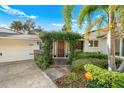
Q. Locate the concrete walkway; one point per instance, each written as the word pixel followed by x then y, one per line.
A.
pixel 23 74
pixel 56 72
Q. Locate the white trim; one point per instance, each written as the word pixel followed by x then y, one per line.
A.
pixel 121 46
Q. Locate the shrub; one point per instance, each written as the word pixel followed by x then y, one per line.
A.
pixel 95 58
pixel 98 55
pixel 103 77
pixel 119 83
pixel 42 63
pixel 118 61
pixel 78 65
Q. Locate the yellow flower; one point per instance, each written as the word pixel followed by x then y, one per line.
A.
pixel 88 76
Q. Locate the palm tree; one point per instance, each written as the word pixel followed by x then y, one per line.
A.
pixel 110 12
pixel 38 29
pixel 29 25
pixel 17 26
pixel 67 12
pixel 64 28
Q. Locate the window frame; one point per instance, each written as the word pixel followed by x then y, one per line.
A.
pixel 90 43
pixel 93 43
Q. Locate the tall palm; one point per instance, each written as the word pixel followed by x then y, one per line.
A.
pixel 87 12
pixel 67 13
pixel 17 26
pixel 29 25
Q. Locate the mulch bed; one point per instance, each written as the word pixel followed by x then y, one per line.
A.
pixel 60 82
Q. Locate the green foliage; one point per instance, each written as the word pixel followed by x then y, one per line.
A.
pixel 95 58
pixel 67 13
pixel 91 84
pixel 103 77
pixel 42 62
pixel 47 39
pixel 119 83
pixel 72 51
pixel 78 65
pixel 16 25
pixel 118 61
pixel 46 56
pixel 59 35
pixel 90 55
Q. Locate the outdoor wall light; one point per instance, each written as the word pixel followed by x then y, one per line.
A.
pixel 66 55
pixel 54 55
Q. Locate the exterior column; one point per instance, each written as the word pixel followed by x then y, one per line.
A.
pixel 66 48
pixel 121 47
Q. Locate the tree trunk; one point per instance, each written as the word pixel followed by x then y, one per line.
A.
pixel 111 40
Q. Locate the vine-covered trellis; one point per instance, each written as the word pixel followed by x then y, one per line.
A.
pixel 46 42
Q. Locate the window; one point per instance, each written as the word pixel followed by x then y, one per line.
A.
pixel 96 43
pixel 93 43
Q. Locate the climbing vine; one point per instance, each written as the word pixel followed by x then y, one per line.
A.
pixel 48 37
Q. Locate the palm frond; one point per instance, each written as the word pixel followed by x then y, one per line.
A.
pixel 67 13
pixel 87 11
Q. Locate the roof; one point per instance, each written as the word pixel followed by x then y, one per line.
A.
pixel 9 34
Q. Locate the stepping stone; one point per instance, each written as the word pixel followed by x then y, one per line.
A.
pixel 53 73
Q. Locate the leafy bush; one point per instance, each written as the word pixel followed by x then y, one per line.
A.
pixel 90 55
pixel 78 65
pixel 103 77
pixel 119 83
pixel 95 58
pixel 42 63
pixel 118 61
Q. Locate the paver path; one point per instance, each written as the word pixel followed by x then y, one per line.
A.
pixel 57 72
pixel 23 74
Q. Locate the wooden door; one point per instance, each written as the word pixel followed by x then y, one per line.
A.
pixel 60 48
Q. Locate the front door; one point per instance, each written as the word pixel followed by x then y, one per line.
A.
pixel 60 48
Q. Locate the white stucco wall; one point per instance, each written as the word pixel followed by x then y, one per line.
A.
pixel 91 36
pixel 90 49
pixel 16 50
pixel 102 43
pixel 103 46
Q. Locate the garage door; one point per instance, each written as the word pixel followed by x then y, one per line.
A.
pixel 16 50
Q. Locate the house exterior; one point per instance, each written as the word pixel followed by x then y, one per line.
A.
pixel 97 42
pixel 89 44
pixel 16 47
pixel 94 42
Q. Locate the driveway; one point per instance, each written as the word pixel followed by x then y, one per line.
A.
pixel 24 74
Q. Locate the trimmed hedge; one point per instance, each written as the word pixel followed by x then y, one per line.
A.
pixel 98 55
pixel 104 78
pixel 78 65
pixel 95 58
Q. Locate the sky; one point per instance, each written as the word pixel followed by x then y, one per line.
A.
pixel 48 17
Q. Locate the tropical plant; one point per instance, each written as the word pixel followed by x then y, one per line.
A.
pixel 29 25
pixel 105 78
pixel 67 13
pixel 64 28
pixel 17 26
pixel 38 29
pixel 109 13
